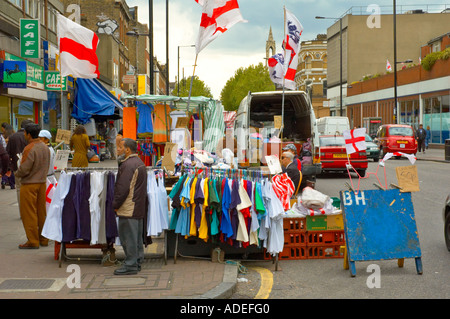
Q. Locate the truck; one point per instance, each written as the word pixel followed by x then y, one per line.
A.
pixel 262 129
pixel 332 125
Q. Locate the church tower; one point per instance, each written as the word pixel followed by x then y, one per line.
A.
pixel 270 46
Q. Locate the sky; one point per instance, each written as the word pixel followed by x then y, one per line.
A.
pixel 245 43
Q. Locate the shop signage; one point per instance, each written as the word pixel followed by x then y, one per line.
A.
pixel 35 72
pixel 14 74
pixel 29 38
pixel 53 81
pixel 129 79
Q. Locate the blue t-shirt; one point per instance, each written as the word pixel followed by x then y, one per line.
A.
pixel 145 122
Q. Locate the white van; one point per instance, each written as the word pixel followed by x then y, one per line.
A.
pixel 256 130
pixel 332 125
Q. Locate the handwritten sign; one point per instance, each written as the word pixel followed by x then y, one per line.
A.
pixel 61 159
pixel 277 121
pixel 182 122
pixel 63 136
pixel 274 164
pixel 408 179
pixel 170 154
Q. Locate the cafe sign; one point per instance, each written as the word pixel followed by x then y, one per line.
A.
pixel 53 81
pixel 29 39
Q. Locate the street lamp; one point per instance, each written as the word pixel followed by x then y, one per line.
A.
pixel 178 74
pixel 340 40
pixel 136 34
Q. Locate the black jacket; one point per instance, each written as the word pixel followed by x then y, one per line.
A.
pixel 293 173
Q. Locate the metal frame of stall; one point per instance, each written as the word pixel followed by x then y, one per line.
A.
pixel 63 256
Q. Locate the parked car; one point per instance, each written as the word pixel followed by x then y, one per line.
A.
pixel 396 138
pixel 333 155
pixel 446 215
pixel 373 151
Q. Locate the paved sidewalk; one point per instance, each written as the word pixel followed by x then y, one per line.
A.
pixel 31 274
pixel 433 154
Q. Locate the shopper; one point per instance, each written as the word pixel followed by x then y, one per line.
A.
pixel 112 134
pixel 33 174
pixel 291 148
pixel 421 136
pixel 46 137
pixel 8 178
pixel 16 144
pixel 130 198
pixel 79 143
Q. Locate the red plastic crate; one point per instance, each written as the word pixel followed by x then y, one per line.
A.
pixel 294 224
pixel 292 252
pixel 324 252
pixel 326 237
pixel 294 238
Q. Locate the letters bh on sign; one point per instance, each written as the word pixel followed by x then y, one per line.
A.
pixel 29 38
pixel 53 81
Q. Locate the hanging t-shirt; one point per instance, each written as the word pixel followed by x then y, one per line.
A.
pixel 145 122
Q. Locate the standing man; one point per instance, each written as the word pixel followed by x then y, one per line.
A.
pixel 421 136
pixel 287 160
pixel 33 171
pixel 112 134
pixel 130 198
pixel 16 145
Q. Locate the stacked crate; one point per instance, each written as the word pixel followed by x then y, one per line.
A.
pixel 313 237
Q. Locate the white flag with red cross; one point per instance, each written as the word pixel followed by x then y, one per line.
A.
pixel 388 66
pixel 355 140
pixel 217 17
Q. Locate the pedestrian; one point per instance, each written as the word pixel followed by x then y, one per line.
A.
pixel 4 162
pixel 130 205
pixel 32 171
pixel 8 178
pixel 428 139
pixel 16 144
pixel 119 138
pixel 112 134
pixel 46 137
pixel 79 143
pixel 421 136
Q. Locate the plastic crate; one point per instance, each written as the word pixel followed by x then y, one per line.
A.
pixel 294 238
pixel 292 252
pixel 335 222
pixel 324 252
pixel 316 222
pixel 325 237
pixel 294 224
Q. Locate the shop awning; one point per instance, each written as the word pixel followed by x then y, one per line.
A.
pixel 93 100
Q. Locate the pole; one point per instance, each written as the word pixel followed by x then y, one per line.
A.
pixel 192 80
pixel 395 64
pixel 340 34
pixel 284 76
pixel 150 36
pixel 178 73
pixel 167 47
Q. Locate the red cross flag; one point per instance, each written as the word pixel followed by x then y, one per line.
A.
pixel 355 140
pixel 217 17
pixel 388 66
pixel 77 46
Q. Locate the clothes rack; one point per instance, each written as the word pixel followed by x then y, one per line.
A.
pixel 60 252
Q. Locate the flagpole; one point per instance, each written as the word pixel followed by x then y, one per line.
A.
pixel 284 77
pixel 192 80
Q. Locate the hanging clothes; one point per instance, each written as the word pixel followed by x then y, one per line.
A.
pixel 145 121
pixel 96 183
pixel 284 188
pixel 160 124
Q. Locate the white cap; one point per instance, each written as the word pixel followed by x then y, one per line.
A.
pixel 46 134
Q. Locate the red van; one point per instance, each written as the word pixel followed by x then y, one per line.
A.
pixel 396 138
pixel 333 155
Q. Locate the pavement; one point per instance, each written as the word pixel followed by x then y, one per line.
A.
pixel 38 274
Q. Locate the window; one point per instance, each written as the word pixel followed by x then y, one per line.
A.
pixel 51 18
pixel 308 62
pixel 16 2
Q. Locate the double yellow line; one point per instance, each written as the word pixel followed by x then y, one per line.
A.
pixel 266 282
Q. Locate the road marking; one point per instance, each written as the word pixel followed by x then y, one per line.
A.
pixel 266 283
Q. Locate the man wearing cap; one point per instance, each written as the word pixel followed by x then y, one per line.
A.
pixel 45 136
pixel 291 148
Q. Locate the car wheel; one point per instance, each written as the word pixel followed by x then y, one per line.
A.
pixel 362 173
pixel 447 231
pixel 376 159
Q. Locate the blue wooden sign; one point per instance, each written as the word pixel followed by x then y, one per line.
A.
pixel 380 224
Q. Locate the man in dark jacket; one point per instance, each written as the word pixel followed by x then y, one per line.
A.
pixel 130 198
pixel 287 160
pixel 16 145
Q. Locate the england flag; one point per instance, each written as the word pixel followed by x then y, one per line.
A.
pixel 355 140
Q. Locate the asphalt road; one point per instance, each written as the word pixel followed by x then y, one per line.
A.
pixel 320 278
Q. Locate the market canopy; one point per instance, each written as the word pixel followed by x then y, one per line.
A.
pixel 93 100
pixel 213 114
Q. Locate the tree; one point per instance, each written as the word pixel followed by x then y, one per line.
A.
pixel 199 88
pixel 253 78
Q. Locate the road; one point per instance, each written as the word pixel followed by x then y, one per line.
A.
pixel 320 278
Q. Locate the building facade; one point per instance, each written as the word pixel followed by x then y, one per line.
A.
pixel 311 75
pixel 367 43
